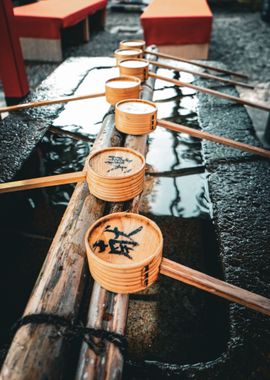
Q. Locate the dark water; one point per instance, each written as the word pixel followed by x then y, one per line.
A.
pixel 175 196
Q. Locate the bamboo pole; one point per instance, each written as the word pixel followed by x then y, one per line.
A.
pixel 208 91
pixel 40 103
pixel 199 64
pixel 218 139
pixel 60 285
pixel 109 365
pixel 202 75
pixel 102 303
pixel 36 183
pixel 214 286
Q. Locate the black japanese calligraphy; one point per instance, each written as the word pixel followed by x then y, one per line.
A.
pixel 117 245
pixel 118 162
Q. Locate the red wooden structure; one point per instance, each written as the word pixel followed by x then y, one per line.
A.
pixel 12 70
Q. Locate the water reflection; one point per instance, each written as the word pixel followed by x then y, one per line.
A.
pixel 87 114
pixel 60 153
pixel 169 151
pixel 181 196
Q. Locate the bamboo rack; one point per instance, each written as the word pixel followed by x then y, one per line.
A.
pixel 42 103
pixel 51 293
pixel 194 63
pixel 66 178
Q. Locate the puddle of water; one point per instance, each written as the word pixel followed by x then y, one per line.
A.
pixel 173 323
pixel 183 197
pixel 169 152
pixel 62 154
pixel 176 198
pixel 87 115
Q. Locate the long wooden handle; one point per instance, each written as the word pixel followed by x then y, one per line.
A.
pixel 35 183
pixel 215 138
pixel 214 286
pixel 40 103
pixel 199 64
pixel 261 106
pixel 202 75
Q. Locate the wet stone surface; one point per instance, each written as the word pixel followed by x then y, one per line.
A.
pixel 172 322
pixel 21 131
pixel 174 330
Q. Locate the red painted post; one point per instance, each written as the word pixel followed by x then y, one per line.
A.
pixel 12 70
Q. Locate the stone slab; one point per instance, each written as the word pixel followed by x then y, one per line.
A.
pixel 22 130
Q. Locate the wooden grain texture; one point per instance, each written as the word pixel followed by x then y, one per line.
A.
pixel 19 107
pixel 116 174
pixel 217 139
pixel 121 54
pixel 35 352
pixel 202 75
pixel 35 183
pixel 134 269
pixel 261 106
pixel 109 310
pixel 132 44
pixel 40 351
pixel 135 116
pixel 194 63
pixel 123 87
pixel 214 286
pixel 136 67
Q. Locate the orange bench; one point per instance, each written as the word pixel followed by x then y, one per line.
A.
pixel 178 27
pixel 40 25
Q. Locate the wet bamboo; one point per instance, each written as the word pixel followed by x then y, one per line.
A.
pixel 49 102
pixel 214 286
pixel 103 303
pixel 60 285
pixel 261 106
pixel 110 364
pixel 36 183
pixel 217 139
pixel 195 63
pixel 202 75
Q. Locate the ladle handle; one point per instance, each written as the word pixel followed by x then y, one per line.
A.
pixel 35 183
pixel 261 106
pixel 215 138
pixel 19 107
pixel 214 286
pixel 194 63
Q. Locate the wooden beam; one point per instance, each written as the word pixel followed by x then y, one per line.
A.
pixel 60 285
pixel 261 106
pixel 109 365
pixel 214 286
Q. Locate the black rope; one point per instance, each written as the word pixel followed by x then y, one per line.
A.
pixel 74 331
